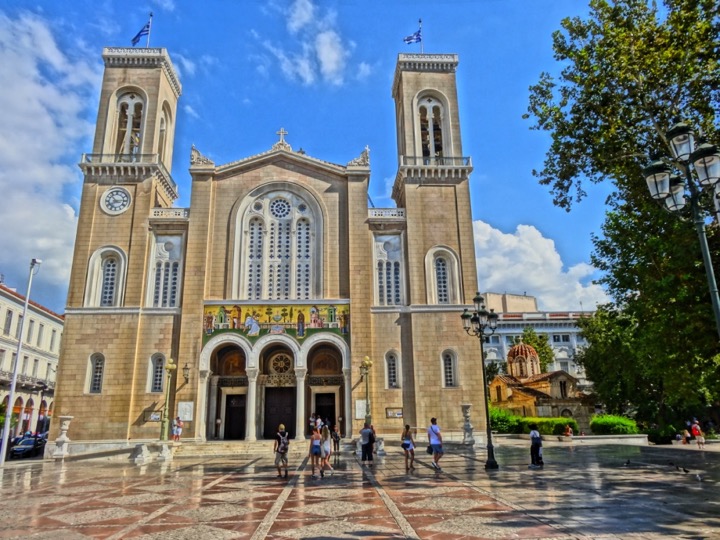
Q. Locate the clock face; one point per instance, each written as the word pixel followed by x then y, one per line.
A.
pixel 116 200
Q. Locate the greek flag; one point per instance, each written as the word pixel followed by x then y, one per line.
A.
pixel 144 31
pixel 414 38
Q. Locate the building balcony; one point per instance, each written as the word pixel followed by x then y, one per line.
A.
pixel 26 382
pixel 110 168
pixel 438 161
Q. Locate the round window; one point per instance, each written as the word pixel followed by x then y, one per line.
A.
pixel 280 208
pixel 280 363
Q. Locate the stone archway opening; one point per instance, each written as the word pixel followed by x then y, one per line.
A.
pixel 278 390
pixel 227 402
pixel 325 383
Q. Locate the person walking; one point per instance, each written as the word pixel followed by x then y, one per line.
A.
pixel 366 445
pixel 536 461
pixel 335 434
pixel 408 444
pixel 314 452
pixel 435 440
pixel 282 443
pixel 326 451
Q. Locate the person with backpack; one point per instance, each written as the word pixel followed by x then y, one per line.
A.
pixel 282 443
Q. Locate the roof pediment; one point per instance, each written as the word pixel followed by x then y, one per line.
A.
pixel 282 154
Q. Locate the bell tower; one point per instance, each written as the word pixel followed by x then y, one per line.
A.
pixel 432 182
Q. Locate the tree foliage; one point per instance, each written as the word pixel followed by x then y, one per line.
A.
pixel 541 344
pixel 628 70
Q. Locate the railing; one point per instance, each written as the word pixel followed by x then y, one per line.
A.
pixel 386 212
pixel 27 379
pixel 170 213
pixel 438 161
pixel 127 160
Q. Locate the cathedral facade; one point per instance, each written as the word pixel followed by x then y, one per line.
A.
pixel 272 289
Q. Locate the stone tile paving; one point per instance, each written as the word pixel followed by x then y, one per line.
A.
pixel 585 492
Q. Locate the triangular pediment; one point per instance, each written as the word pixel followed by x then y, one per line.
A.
pixel 280 157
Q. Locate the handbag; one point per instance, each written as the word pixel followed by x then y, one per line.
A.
pixel 405 445
pixel 429 449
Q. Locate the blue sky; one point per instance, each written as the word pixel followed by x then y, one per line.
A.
pixel 322 70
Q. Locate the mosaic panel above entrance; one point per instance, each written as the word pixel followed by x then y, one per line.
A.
pixel 298 321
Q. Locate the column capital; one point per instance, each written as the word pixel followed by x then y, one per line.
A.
pixel 300 373
pixel 252 374
pixel 204 374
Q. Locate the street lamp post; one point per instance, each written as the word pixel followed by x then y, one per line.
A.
pixel 169 368
pixel 476 324
pixel 670 189
pixel 365 366
pixel 34 268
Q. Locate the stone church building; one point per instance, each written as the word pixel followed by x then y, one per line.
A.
pixel 272 288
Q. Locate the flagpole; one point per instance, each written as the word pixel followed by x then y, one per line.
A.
pixel 147 46
pixel 422 49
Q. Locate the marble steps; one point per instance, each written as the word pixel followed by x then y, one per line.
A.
pixel 229 448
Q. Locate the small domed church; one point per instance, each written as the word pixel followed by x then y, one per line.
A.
pixel 526 391
pixel 258 303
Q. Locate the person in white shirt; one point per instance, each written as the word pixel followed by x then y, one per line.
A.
pixel 435 439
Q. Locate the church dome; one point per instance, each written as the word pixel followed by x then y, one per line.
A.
pixel 522 349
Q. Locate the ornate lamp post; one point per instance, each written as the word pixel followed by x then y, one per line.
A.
pixel 34 269
pixel 365 366
pixel 670 189
pixel 476 324
pixel 169 368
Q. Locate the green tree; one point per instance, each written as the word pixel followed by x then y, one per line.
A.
pixel 629 69
pixel 493 369
pixel 541 344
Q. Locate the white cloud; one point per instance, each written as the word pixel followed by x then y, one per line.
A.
pixel 527 262
pixel 301 14
pixel 184 65
pixel 315 50
pixel 167 5
pixel 46 97
pixel 190 111
pixel 331 55
pixel 363 71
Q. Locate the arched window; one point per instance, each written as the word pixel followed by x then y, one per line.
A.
pixel 442 269
pixel 162 133
pixel 389 280
pixel 392 370
pixel 167 271
pixel 106 278
pixel 449 367
pixel 278 242
pixel 431 119
pixel 157 363
pixel 97 371
pixel 128 135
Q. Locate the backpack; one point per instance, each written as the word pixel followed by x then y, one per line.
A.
pixel 283 445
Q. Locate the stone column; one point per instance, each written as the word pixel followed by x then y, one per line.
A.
pixel 250 429
pixel 300 419
pixel 204 424
pixel 212 405
pixel 349 413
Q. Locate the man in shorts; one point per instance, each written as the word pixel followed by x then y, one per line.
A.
pixel 435 440
pixel 282 443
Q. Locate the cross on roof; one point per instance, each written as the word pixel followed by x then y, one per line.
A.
pixel 282 134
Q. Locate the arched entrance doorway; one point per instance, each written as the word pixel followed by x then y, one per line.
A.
pixel 278 390
pixel 326 383
pixel 228 397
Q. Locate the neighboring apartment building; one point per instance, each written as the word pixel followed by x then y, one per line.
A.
pixel 37 367
pixel 518 312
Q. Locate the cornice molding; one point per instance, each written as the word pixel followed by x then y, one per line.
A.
pixel 130 57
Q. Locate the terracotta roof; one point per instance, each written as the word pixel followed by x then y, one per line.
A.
pixel 550 375
pixel 532 392
pixel 508 379
pixel 21 298
pixel 522 349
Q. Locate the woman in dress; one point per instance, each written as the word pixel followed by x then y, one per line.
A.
pixel 314 453
pixel 408 444
pixel 326 451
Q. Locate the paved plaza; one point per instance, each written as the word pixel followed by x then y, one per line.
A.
pixel 584 491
